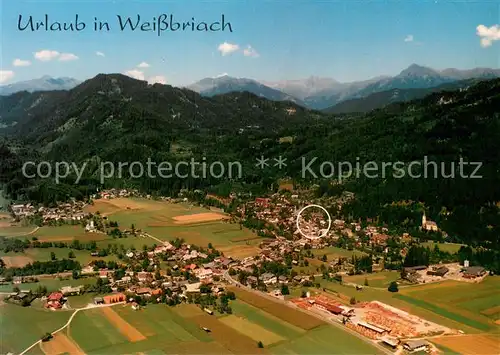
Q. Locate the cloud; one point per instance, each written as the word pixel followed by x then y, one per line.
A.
pixel 100 54
pixel 64 57
pixel 46 54
pixel 227 48
pixel 250 52
pixel 488 34
pixel 221 75
pixel 21 63
pixel 409 38
pixel 6 75
pixel 158 79
pixel 136 74
pixel 143 65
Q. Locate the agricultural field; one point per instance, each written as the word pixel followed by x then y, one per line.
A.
pixel 167 221
pixel 403 301
pixel 447 247
pixel 377 279
pixel 470 343
pixel 334 252
pixel 473 304
pixel 31 322
pixel 159 329
pixel 16 231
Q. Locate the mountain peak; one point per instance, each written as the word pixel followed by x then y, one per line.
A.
pixel 418 70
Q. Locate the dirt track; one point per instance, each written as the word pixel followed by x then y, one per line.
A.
pixel 61 344
pixel 124 327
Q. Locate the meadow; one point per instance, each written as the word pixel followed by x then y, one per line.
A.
pixel 22 326
pixel 167 221
pixel 378 279
pixel 178 329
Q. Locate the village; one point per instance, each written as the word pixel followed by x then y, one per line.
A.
pixel 190 272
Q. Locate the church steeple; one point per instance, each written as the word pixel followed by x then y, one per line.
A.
pixel 424 220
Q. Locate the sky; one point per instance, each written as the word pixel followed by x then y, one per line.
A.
pixel 270 40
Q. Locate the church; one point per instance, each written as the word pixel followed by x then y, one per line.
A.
pixel 428 225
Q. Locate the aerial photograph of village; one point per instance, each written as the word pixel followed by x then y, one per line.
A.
pixel 250 177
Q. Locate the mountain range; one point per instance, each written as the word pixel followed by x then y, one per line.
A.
pixel 314 92
pixel 115 118
pixel 45 83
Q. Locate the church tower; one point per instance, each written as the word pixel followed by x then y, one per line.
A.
pixel 424 220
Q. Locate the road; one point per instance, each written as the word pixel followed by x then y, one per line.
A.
pixel 320 317
pixel 69 321
pixel 158 240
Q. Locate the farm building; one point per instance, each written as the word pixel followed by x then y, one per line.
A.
pixel 391 341
pixel 372 327
pixel 440 271
pixel 114 298
pixel 209 311
pixel 473 272
pixel 98 300
pixel 415 268
pixel 415 345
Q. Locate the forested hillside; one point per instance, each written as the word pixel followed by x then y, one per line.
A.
pixel 116 118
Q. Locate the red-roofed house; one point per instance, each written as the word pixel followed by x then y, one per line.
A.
pixel 54 300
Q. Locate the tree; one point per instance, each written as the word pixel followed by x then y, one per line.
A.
pixel 366 281
pixel 71 254
pixel 75 274
pixel 285 290
pixel 260 345
pixel 352 300
pixel 210 246
pixel 52 255
pixel 324 258
pixel 393 287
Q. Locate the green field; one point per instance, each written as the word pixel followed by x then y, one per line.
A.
pixel 474 304
pixel 93 332
pixel 377 279
pixel 452 303
pixel 334 252
pixel 448 247
pixel 22 326
pixel 18 231
pixel 52 284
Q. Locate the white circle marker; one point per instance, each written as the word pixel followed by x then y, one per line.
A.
pixel 325 231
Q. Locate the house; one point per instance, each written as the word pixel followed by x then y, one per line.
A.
pixel 263 202
pixel 193 288
pixel 54 300
pixel 144 276
pixel 472 272
pixel 415 345
pixel 283 279
pixel 68 290
pixel 252 280
pixel 98 300
pixel 135 306
pixel 143 291
pixel 268 278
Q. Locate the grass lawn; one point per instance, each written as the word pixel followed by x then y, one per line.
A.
pixel 22 326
